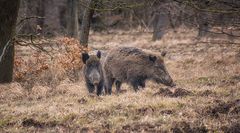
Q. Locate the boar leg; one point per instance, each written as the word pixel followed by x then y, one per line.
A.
pixel 118 85
pixel 100 88
pixel 142 84
pixel 109 83
pixel 105 89
pixel 134 85
pixel 90 87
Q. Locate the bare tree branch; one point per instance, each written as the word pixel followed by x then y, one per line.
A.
pixel 114 7
pixel 27 18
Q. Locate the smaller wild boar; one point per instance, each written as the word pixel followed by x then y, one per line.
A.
pixel 134 66
pixel 93 73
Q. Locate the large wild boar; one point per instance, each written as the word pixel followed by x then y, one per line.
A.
pixel 93 73
pixel 134 66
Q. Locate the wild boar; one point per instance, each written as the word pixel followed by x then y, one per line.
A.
pixel 93 73
pixel 134 66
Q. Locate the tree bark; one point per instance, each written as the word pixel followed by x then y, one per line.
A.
pixel 72 26
pixel 160 24
pixel 86 21
pixel 203 24
pixel 8 17
pixel 41 13
pixel 203 29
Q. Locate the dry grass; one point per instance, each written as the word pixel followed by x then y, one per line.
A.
pixel 209 74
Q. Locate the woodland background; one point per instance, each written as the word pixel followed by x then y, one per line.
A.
pixel 41 42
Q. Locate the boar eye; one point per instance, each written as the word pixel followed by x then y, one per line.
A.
pixel 163 54
pixel 152 58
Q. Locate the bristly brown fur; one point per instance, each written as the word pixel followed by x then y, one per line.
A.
pixel 134 66
pixel 92 59
pixel 93 70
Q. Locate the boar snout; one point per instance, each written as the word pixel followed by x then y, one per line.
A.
pixel 94 76
pixel 166 80
pixel 171 84
pixel 169 81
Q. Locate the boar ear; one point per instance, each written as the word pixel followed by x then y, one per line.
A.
pixel 99 54
pixel 152 58
pixel 163 54
pixel 85 57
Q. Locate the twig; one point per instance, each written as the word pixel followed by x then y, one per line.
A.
pixel 220 33
pixel 193 5
pixel 120 6
pixel 217 42
pixel 140 20
pixel 5 50
pixel 33 45
pixel 14 37
pixel 27 18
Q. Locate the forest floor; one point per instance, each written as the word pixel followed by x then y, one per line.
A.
pixel 206 99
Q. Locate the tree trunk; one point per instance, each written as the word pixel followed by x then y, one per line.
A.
pixel 203 29
pixel 31 10
pixel 72 26
pixel 8 18
pixel 86 21
pixel 203 25
pixel 41 13
pixel 159 25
